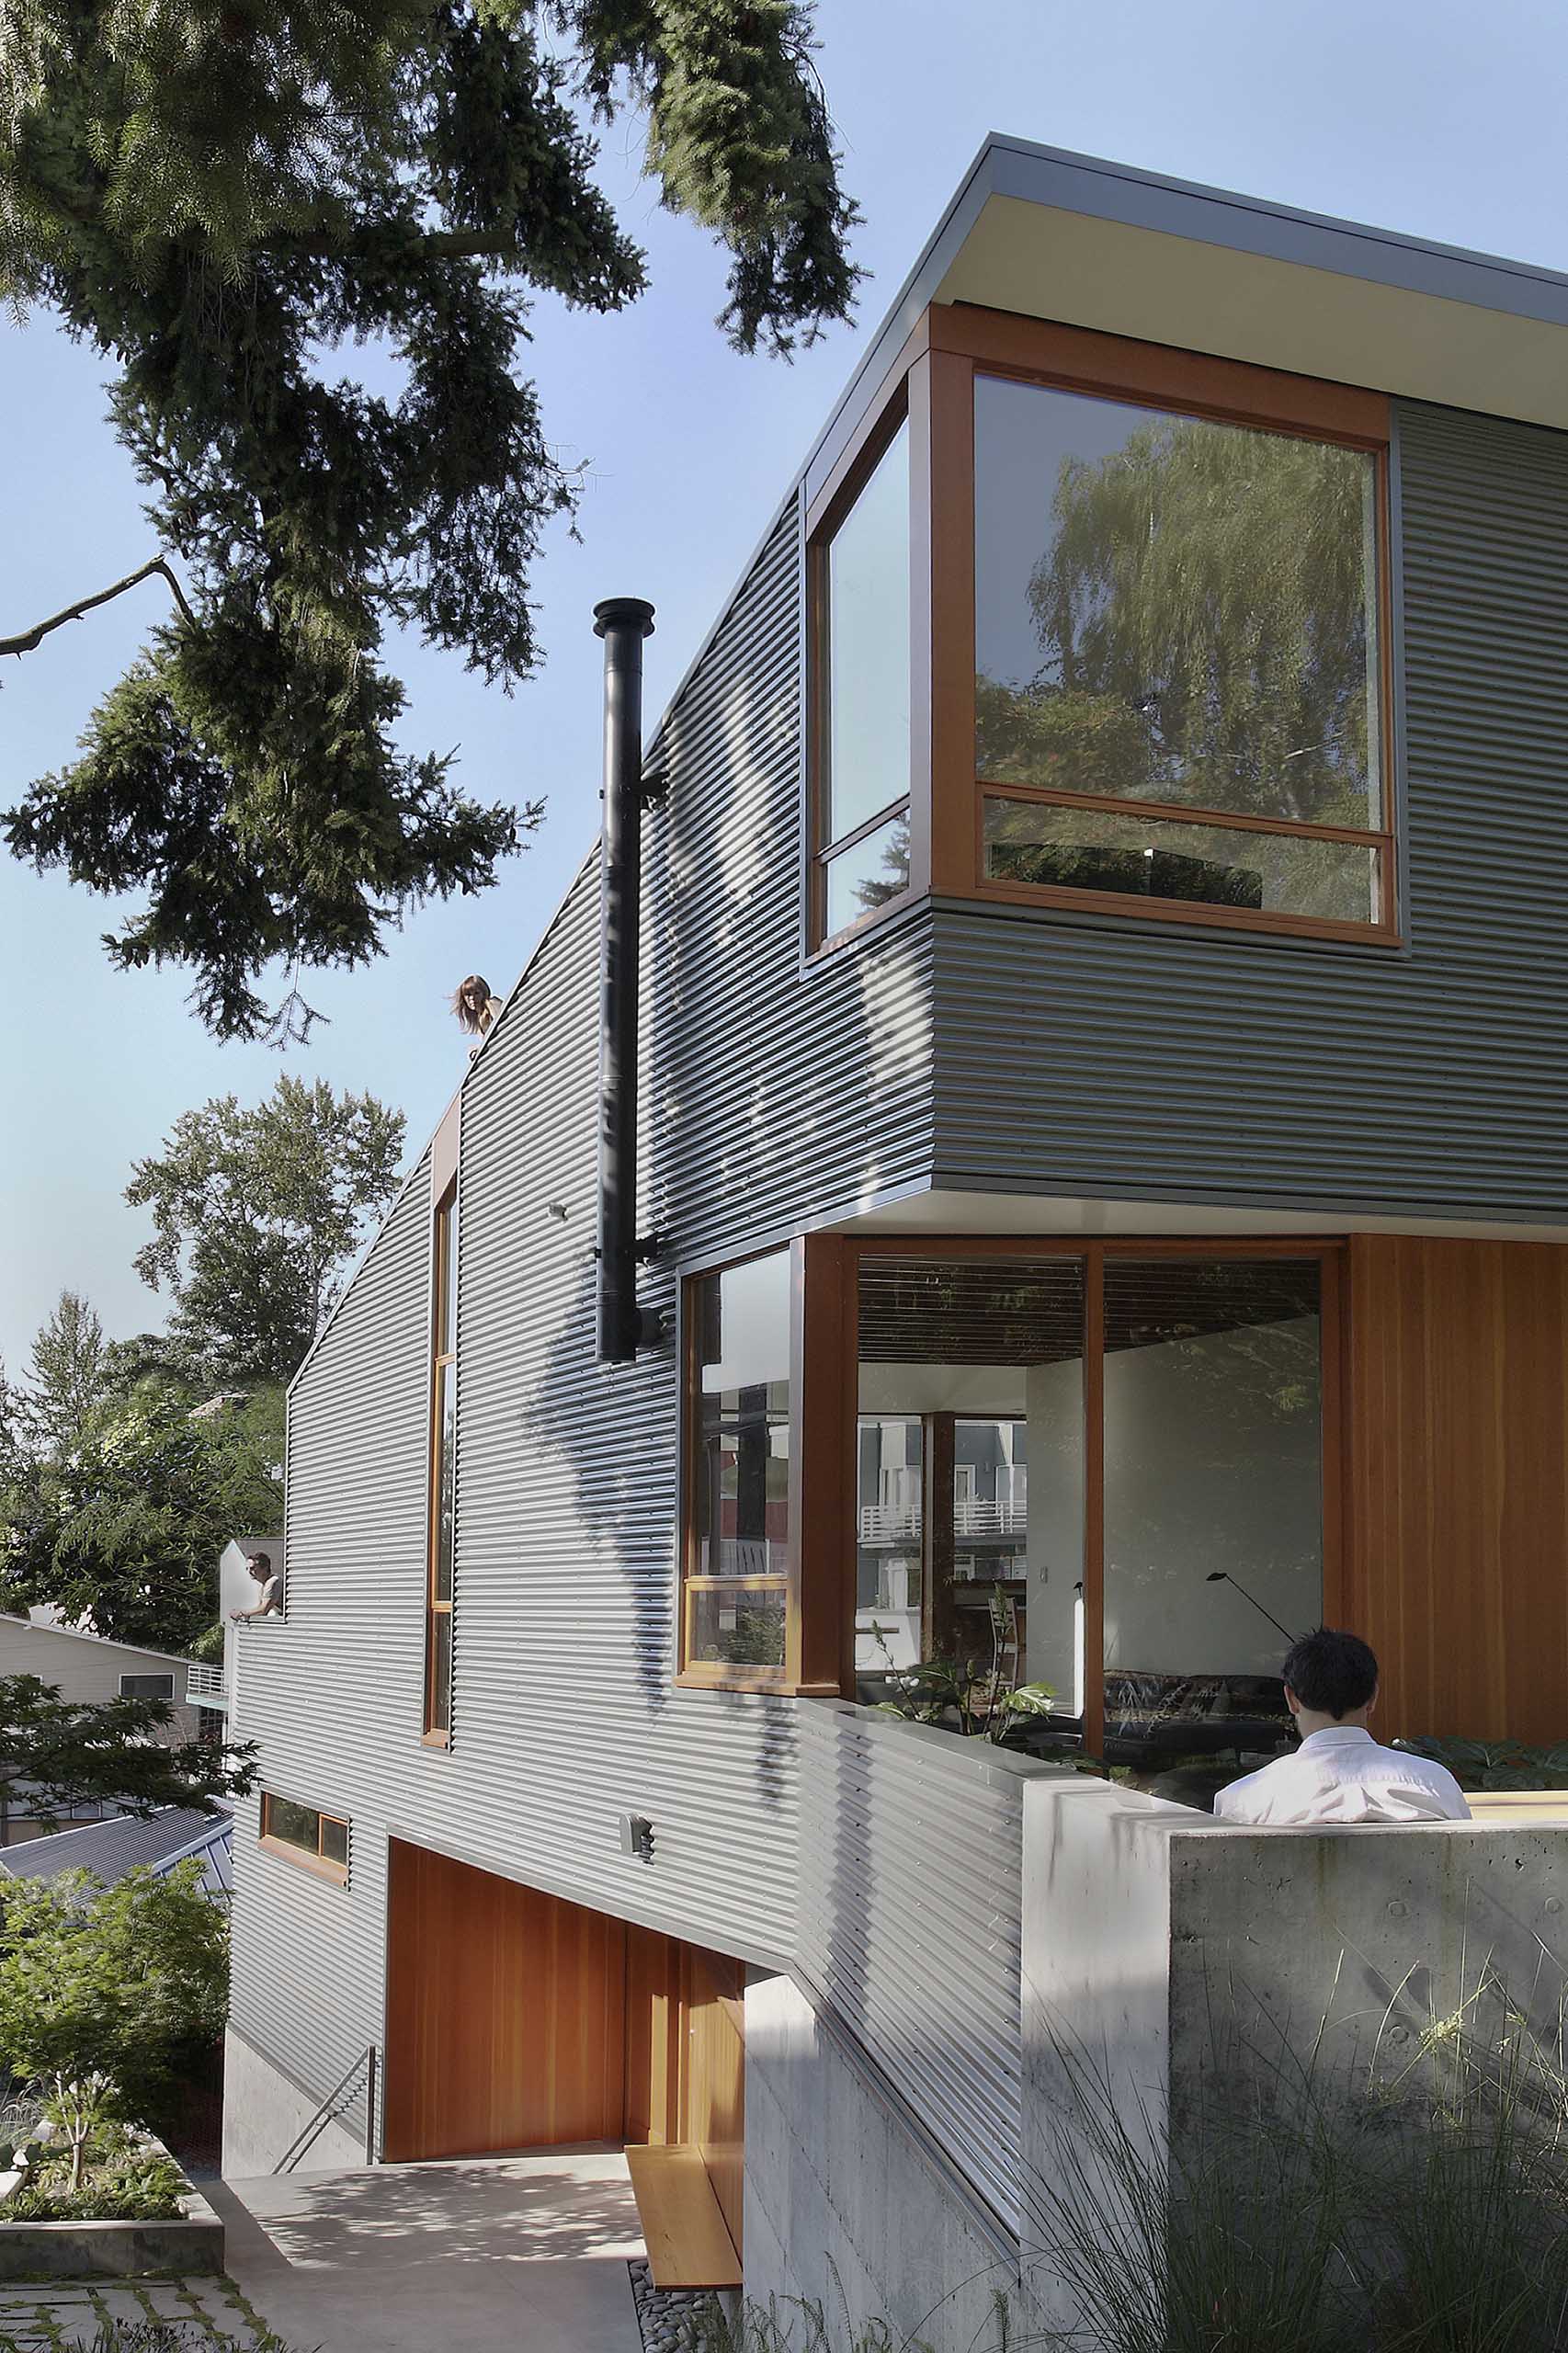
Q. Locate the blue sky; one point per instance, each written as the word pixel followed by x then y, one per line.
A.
pixel 1420 115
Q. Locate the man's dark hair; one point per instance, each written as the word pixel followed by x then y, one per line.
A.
pixel 1331 1673
pixel 261 1566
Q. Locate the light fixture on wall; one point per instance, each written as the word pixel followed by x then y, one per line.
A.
pixel 557 1209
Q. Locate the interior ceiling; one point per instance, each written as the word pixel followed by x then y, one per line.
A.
pixel 1053 263
pixel 997 1310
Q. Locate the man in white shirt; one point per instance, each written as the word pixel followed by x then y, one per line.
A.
pixel 1339 1773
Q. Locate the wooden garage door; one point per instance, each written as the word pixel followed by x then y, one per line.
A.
pixel 505 2014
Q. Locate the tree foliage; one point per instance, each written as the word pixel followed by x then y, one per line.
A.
pixel 256 1214
pixel 216 198
pixel 66 1375
pixel 108 1992
pixel 127 1531
pixel 70 1753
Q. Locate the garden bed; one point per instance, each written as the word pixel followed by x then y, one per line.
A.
pixel 43 2235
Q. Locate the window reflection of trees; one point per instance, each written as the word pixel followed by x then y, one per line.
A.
pixel 1204 617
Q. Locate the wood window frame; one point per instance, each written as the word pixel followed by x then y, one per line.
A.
pixel 932 382
pixel 324 1866
pixel 900 403
pixel 966 341
pixel 820 1482
pixel 445 1244
pixel 826 1570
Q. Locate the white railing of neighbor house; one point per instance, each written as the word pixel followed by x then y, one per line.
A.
pixel 973 1516
pixel 910 1845
pixel 204 1683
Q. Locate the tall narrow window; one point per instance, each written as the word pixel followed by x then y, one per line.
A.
pixel 443 1472
pixel 735 1604
pixel 862 640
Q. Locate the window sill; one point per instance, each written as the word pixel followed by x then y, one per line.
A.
pixel 318 1864
pixel 435 1740
pixel 737 1679
pixel 1045 900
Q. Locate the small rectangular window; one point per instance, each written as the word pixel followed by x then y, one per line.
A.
pixel 735 1609
pixel 318 1841
pixel 861 586
pixel 146 1686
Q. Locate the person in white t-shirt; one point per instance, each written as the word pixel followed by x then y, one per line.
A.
pixel 270 1593
pixel 1339 1773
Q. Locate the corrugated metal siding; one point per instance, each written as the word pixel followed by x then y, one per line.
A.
pixel 332 1691
pixel 1195 1065
pixel 769 1099
pixel 910 1924
pixel 778 1097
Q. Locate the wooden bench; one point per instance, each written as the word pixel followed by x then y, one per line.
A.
pixel 682 2228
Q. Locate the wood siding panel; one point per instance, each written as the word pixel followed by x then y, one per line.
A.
pixel 716 2096
pixel 505 2021
pixel 1458 1568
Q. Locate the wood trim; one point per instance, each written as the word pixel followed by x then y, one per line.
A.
pixel 822 1460
pixel 1128 908
pixel 1235 391
pixel 952 621
pixel 1184 812
pixel 921 626
pixel 1336 1451
pixel 317 1864
pixel 1093 1498
pixel 446 1150
pixel 1165 1245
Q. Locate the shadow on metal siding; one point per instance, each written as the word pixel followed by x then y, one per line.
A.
pixel 911 1907
pixel 1215 1067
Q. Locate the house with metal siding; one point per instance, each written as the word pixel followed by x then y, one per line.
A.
pixel 1086 1187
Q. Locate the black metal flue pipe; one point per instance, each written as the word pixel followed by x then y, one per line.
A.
pixel 623 622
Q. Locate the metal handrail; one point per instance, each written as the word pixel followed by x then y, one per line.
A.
pixel 333 2107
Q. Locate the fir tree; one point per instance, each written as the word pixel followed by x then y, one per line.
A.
pixel 214 195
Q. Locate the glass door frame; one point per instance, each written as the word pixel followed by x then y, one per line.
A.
pixel 827 1404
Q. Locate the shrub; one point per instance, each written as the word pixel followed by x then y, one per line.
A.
pixel 138 2189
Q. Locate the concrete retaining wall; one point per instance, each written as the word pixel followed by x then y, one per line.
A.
pixel 263 2113
pixel 115 2250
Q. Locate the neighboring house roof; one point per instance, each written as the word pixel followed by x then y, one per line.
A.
pixel 109 1849
pixel 44 1625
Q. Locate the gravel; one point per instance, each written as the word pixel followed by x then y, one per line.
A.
pixel 664 2314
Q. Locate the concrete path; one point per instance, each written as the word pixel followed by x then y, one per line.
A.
pixel 493 2255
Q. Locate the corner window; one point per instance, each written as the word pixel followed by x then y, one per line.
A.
pixel 1177 662
pixel 861 584
pixel 443 1471
pixel 303 1834
pixel 735 1597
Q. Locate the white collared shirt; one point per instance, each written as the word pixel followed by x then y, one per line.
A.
pixel 1341 1775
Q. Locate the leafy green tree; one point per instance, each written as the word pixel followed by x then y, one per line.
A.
pixel 106 1992
pixel 70 1753
pixel 256 1215
pixel 215 197
pixel 67 1376
pixel 128 1531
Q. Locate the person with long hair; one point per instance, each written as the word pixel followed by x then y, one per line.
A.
pixel 476 1008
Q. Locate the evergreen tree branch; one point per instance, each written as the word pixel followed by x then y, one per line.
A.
pixel 29 640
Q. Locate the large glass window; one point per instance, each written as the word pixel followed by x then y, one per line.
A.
pixel 1214 1500
pixel 737 1569
pixel 443 1471
pixel 1052 1445
pixel 1177 624
pixel 862 636
pixel 970 1510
